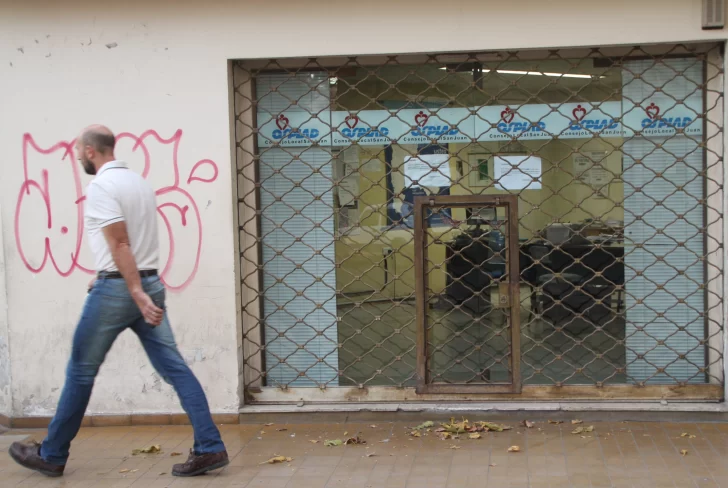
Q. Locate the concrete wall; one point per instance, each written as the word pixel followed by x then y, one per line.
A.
pixel 157 72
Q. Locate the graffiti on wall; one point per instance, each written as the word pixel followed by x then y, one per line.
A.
pixel 49 210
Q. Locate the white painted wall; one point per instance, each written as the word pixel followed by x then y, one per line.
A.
pixel 6 396
pixel 166 73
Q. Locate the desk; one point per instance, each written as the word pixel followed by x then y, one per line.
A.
pixel 598 270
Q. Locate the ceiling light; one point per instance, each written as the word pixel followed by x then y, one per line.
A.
pixel 538 73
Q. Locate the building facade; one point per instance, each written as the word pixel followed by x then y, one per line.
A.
pixel 378 203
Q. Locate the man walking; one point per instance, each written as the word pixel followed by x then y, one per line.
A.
pixel 121 222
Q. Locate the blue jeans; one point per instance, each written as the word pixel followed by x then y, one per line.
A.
pixel 109 310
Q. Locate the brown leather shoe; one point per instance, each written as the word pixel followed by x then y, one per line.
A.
pixel 28 456
pixel 197 465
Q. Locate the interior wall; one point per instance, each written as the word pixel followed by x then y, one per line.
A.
pixel 158 71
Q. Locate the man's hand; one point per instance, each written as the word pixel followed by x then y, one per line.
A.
pixel 153 315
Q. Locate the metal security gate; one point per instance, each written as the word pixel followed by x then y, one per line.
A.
pixel 469 332
pixel 612 160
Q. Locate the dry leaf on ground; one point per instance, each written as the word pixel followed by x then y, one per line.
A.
pixel 689 436
pixel 155 449
pixel 373 426
pixel 370 454
pixel 124 470
pixel 277 459
pixel 589 429
pixel 454 447
pixel 474 436
pixel 514 449
pixel 176 454
pixel 355 440
pixel 445 435
pixel 346 432
pixel 528 424
pixel 269 424
pixel 684 452
pixel 576 422
pixel 425 425
pixel 556 422
pixel 313 441
pixel 493 427
pixel 456 427
pixel 415 433
pixel 281 430
pixel 333 443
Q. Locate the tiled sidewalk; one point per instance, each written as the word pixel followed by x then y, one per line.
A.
pixel 616 454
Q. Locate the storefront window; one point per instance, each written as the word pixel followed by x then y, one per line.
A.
pixel 607 158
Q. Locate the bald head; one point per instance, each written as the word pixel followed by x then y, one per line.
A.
pixel 95 147
pixel 98 137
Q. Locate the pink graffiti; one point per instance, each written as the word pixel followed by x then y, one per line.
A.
pixel 62 244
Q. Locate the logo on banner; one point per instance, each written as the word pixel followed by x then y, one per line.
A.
pixel 509 125
pixel 656 124
pixel 351 121
pixel 425 130
pixel 282 122
pixel 591 124
pixel 353 132
pixel 285 132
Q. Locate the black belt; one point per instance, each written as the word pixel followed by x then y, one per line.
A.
pixel 115 275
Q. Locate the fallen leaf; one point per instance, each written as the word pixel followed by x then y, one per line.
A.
pixel 176 454
pixel 577 422
pixel 425 425
pixel 456 427
pixel 527 424
pixel 689 436
pixel 578 430
pixel 589 429
pixel 440 429
pixel 370 454
pixel 384 441
pixel 474 436
pixel 415 433
pixel 262 432
pixel 454 447
pixel 124 471
pixel 684 452
pixel 514 449
pixel 313 441
pixel 334 443
pixel 269 424
pixel 162 474
pixel 492 465
pixel 445 435
pixel 281 430
pixel 355 440
pixel 556 422
pixel 155 449
pixel 373 426
pixel 277 459
pixel 346 433
pixel 494 427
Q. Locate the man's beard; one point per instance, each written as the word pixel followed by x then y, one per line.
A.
pixel 88 167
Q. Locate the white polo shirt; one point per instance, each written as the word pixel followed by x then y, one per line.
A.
pixel 119 194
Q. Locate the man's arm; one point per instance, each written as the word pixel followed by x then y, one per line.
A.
pixel 118 241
